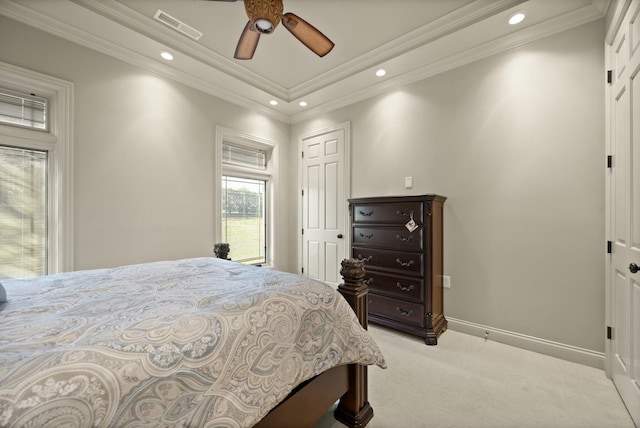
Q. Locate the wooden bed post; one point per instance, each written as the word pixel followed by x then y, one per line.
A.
pixel 354 409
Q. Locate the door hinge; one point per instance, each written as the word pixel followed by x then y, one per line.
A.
pixel 609 247
pixel 303 231
pixel 302 192
pixel 609 76
pixel 302 269
pixel 302 155
pixel 609 161
pixel 609 332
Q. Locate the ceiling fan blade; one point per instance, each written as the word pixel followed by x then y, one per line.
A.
pixel 309 35
pixel 247 44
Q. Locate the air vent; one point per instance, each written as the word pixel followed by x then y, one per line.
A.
pixel 177 25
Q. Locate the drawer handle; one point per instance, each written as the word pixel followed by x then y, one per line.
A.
pixel 403 312
pixel 365 214
pixel 367 259
pixel 404 238
pixel 402 213
pixel 368 281
pixel 403 288
pixel 369 236
pixel 405 264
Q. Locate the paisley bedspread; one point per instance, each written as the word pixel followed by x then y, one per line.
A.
pixel 199 342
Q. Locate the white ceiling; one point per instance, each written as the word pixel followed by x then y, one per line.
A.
pixel 411 39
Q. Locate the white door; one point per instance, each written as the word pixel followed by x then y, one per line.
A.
pixel 325 186
pixel 623 352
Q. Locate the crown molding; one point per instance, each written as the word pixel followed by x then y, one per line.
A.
pixel 545 29
pixel 133 20
pixel 31 17
pixel 601 5
pixel 448 24
pixel 216 75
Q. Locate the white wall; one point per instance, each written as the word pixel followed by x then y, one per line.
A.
pixel 516 143
pixel 143 153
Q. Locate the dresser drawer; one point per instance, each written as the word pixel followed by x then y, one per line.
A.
pixel 389 237
pixel 407 312
pixel 398 261
pixel 395 286
pixel 396 213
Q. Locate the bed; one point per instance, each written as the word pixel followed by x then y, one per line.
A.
pixel 200 342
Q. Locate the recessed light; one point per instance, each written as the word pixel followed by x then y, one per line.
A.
pixel 381 72
pixel 516 18
pixel 273 102
pixel 166 55
pixel 302 103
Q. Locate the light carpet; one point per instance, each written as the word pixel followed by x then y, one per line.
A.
pixel 468 382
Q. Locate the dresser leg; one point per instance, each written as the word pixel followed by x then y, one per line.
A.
pixel 431 339
pixel 432 336
pixel 435 326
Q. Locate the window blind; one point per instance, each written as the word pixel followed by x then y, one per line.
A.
pixel 244 156
pixel 23 110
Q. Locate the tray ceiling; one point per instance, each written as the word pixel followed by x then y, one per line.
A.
pixel 410 39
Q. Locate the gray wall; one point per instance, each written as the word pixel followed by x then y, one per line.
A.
pixel 516 143
pixel 144 147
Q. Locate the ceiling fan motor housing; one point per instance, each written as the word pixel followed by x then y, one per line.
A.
pixel 263 12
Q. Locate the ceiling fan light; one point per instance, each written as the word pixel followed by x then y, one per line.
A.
pixel 263 26
pixel 265 15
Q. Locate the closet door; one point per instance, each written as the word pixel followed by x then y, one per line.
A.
pixel 623 352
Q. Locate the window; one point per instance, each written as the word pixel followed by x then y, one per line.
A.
pixel 246 184
pixel 35 173
pixel 23 212
pixel 243 218
pixel 23 191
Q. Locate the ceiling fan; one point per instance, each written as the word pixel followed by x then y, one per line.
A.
pixel 264 16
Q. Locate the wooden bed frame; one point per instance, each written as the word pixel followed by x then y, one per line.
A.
pixel 347 383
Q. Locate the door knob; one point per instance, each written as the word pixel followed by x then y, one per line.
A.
pixel 339 235
pixel 634 268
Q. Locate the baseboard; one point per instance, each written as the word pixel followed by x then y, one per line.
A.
pixel 530 343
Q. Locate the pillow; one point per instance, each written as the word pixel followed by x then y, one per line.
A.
pixel 3 294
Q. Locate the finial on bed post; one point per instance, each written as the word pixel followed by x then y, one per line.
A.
pixel 354 289
pixel 354 409
pixel 221 250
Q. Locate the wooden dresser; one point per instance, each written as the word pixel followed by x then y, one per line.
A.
pixel 403 267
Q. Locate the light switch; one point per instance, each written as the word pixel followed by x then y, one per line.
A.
pixel 408 182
